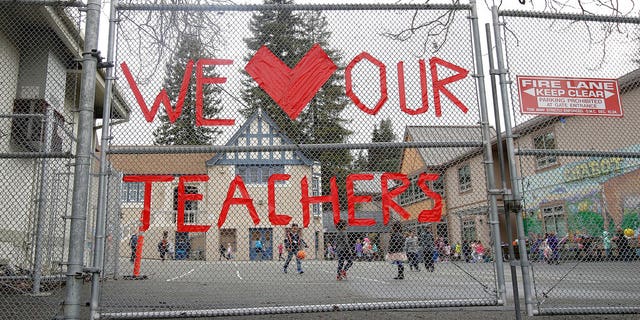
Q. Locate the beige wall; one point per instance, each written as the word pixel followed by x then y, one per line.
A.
pixel 214 193
pixel 458 200
pixel 587 133
pixel 577 133
pixel 411 161
pixel 9 62
pixel 619 188
pixel 20 178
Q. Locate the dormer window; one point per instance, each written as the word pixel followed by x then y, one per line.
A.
pixel 258 174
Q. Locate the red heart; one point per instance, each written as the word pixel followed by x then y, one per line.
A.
pixel 291 89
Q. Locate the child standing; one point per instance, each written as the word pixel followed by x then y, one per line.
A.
pixel 412 248
pixel 397 255
pixel 280 251
pixel 343 249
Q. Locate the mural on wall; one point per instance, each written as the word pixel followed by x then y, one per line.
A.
pixel 631 220
pixel 577 187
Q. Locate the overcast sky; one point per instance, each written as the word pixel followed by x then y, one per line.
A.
pixel 383 49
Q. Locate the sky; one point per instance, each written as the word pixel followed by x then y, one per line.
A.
pixel 363 123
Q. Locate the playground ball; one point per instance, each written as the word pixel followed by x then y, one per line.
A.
pixel 628 232
pixel 301 254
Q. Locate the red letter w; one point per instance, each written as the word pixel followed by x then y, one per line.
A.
pixel 172 113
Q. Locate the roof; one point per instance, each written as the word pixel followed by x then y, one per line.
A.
pixel 258 118
pixel 60 21
pixel 629 81
pixel 159 163
pixel 368 187
pixel 435 157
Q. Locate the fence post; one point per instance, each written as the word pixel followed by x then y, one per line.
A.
pixel 101 211
pixel 42 201
pixel 503 176
pixel 488 155
pixel 79 204
pixel 516 196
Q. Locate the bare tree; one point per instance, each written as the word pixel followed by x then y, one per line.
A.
pixel 156 33
pixel 435 31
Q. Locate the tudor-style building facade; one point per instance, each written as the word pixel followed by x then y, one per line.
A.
pixel 239 229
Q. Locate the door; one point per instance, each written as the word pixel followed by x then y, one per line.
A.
pixel 264 235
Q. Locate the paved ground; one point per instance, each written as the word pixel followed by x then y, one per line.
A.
pixel 450 314
pixel 194 285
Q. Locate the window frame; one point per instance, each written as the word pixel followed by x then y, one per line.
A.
pixel 315 191
pixel 545 141
pixel 555 212
pixel 128 187
pixel 190 206
pixel 464 178
pixel 469 230
pixel 259 174
pixel 414 193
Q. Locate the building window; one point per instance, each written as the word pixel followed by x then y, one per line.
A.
pixel 315 191
pixel 545 141
pixel 469 230
pixel 258 174
pixel 190 207
pixel 133 192
pixel 442 230
pixel 415 194
pixel 438 185
pixel 555 220
pixel 464 178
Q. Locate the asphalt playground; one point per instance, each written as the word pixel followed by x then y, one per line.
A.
pixel 260 290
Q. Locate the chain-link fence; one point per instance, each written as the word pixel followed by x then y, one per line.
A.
pixel 39 87
pixel 255 129
pixel 284 158
pixel 577 156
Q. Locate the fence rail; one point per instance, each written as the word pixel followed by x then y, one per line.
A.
pixel 271 159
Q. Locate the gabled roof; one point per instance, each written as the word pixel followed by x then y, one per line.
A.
pixel 435 157
pixel 267 131
pixel 368 187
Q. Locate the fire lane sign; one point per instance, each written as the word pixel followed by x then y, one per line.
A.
pixel 569 96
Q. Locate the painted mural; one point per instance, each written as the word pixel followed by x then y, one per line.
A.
pixel 578 188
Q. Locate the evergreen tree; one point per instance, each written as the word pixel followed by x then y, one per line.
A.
pixel 289 36
pixel 279 30
pixel 384 160
pixel 360 162
pixel 184 130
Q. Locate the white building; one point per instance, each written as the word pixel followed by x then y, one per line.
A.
pixel 40 50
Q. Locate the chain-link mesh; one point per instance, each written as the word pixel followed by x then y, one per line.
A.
pixel 248 120
pixel 39 83
pixel 579 167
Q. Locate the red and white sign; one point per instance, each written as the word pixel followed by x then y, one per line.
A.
pixel 569 96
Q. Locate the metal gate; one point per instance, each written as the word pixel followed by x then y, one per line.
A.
pixel 577 151
pixel 272 123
